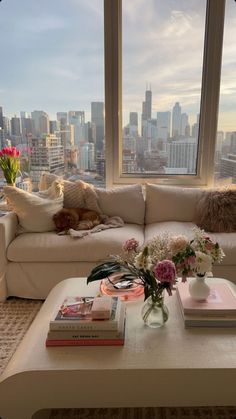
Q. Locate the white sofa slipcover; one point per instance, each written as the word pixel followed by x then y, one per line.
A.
pixel 31 264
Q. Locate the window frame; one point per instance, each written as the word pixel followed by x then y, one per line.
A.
pixel 209 103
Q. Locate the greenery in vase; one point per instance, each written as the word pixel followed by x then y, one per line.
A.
pixel 137 265
pixel 10 163
pixel 157 264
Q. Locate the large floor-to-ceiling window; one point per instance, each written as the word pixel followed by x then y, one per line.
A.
pixel 160 63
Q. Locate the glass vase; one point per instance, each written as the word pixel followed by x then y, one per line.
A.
pixel 154 313
pixel 198 288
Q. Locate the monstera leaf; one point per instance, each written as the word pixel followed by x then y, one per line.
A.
pixel 104 270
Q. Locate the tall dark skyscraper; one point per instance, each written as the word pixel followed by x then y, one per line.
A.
pixel 176 120
pixel 97 118
pixel 146 111
pixel 1 117
pixel 133 118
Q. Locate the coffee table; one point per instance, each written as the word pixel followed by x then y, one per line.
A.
pixel 170 366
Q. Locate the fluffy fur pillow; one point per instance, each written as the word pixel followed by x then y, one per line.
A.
pixel 216 211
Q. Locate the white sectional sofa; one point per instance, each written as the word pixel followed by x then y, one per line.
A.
pixel 31 264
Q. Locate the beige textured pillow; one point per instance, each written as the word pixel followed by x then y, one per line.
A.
pixel 77 194
pixel 216 211
pixel 34 212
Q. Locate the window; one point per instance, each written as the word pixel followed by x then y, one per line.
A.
pixel 124 168
pixel 161 102
pixel 52 87
pixel 162 54
pixel 225 156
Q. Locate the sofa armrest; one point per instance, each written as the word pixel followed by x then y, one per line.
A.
pixel 8 227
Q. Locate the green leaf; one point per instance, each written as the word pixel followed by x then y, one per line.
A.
pixel 103 271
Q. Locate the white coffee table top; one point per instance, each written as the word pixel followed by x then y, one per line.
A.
pixel 171 346
pixel 177 358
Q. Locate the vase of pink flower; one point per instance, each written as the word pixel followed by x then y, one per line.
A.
pixel 140 265
pixel 10 164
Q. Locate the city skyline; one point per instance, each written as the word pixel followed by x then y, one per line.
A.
pixel 53 60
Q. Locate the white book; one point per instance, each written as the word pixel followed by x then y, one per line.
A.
pixel 85 322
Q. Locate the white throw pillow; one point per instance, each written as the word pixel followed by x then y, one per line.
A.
pixel 34 212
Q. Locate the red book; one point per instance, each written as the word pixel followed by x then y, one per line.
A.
pixel 221 301
pixel 86 342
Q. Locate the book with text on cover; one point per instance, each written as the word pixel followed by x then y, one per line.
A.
pixel 221 301
pixel 94 340
pixel 90 334
pixel 193 320
pixel 75 314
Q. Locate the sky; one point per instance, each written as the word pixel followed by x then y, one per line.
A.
pixel 52 56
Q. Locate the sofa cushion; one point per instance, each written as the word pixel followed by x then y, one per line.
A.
pixel 33 211
pixel 127 202
pixel 50 247
pixel 170 203
pixel 226 240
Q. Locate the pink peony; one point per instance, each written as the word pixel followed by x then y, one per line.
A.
pixel 165 271
pixel 131 244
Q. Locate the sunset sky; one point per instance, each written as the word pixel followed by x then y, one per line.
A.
pixel 52 56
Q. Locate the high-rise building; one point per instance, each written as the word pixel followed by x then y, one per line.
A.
pixel 228 167
pixel 233 143
pixel 54 126
pixel 183 124
pixel 182 154
pixel 40 123
pixel 146 111
pixel 97 118
pixel 1 118
pixel 47 155
pixel 26 125
pixel 62 119
pixel 163 125
pixel 77 118
pixel 15 126
pixel 87 157
pixel 133 118
pixel 176 120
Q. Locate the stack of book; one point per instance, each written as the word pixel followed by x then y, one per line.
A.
pixel 88 321
pixel 218 310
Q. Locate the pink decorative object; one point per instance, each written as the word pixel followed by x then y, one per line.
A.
pixel 127 291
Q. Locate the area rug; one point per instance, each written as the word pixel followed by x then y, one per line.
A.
pixel 17 314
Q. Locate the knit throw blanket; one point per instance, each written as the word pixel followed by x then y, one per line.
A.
pixel 108 222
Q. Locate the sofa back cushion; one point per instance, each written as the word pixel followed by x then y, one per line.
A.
pixel 170 203
pixel 127 202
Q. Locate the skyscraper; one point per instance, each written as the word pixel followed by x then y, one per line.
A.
pixel 176 120
pixel 62 119
pixel 1 118
pixel 15 126
pixel 97 118
pixel 146 111
pixel 163 125
pixel 40 123
pixel 184 124
pixel 133 118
